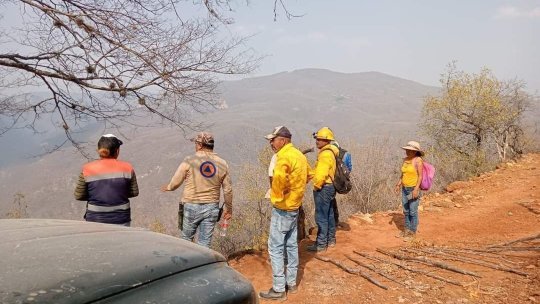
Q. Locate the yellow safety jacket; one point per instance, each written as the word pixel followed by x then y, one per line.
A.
pixel 290 178
pixel 325 168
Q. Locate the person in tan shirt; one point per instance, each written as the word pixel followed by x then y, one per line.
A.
pixel 203 174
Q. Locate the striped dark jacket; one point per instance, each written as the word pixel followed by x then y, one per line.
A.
pixel 107 185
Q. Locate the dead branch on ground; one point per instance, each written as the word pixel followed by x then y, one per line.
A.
pixel 475 253
pixel 351 270
pixel 463 259
pixel 389 277
pixel 414 270
pixel 520 240
pixel 498 249
pixel 429 261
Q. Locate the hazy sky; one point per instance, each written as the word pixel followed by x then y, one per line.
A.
pixel 410 39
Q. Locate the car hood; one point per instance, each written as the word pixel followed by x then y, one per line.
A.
pixel 78 262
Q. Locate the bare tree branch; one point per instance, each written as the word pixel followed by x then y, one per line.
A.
pixel 110 60
pixel 281 3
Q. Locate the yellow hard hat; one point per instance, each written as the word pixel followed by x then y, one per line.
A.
pixel 324 133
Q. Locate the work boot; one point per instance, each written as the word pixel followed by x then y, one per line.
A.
pixel 292 289
pixel 409 236
pixel 315 248
pixel 403 233
pixel 273 295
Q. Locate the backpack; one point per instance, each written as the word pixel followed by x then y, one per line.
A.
pixel 347 160
pixel 342 176
pixel 428 174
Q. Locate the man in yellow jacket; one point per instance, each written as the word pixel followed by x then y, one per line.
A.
pixel 323 190
pixel 289 181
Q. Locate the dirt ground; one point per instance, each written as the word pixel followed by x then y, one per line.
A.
pixel 494 208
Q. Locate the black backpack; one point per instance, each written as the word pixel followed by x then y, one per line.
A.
pixel 342 176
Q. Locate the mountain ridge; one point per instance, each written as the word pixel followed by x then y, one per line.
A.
pixel 355 111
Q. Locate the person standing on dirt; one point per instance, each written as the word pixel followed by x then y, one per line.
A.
pixel 290 176
pixel 204 174
pixel 409 185
pixel 347 160
pixel 301 214
pixel 107 185
pixel 324 191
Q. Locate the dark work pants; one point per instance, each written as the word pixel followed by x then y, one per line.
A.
pixel 336 211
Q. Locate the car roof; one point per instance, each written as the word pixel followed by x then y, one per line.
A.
pixel 65 261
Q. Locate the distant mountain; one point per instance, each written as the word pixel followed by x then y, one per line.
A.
pixel 355 106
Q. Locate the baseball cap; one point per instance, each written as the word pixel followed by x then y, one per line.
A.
pixel 112 139
pixel 204 138
pixel 280 131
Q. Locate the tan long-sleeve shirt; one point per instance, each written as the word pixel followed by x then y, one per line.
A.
pixel 204 174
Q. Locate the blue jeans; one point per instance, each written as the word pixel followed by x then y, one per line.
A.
pixel 410 208
pixel 283 237
pixel 324 215
pixel 202 216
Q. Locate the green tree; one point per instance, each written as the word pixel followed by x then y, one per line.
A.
pixel 476 115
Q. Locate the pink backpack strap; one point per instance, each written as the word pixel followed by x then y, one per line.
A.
pixel 415 163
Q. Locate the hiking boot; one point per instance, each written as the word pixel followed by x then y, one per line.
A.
pixel 409 236
pixel 273 295
pixel 332 243
pixel 403 233
pixel 292 289
pixel 315 248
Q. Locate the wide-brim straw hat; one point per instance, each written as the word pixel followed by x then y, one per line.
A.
pixel 413 146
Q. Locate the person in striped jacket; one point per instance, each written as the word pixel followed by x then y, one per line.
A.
pixel 107 184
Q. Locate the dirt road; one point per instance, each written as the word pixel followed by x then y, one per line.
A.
pixel 494 208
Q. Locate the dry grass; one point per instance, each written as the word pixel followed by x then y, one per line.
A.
pixel 19 207
pixel 157 226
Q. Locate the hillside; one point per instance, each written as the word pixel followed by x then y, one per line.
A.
pixel 462 223
pixel 356 106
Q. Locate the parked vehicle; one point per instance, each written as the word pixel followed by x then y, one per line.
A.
pixel 61 261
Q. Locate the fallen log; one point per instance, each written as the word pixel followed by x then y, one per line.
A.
pixel 391 278
pixel 414 270
pixel 466 260
pixel 496 252
pixel 351 270
pixel 523 239
pixel 429 262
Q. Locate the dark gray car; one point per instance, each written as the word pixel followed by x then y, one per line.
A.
pixel 60 261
